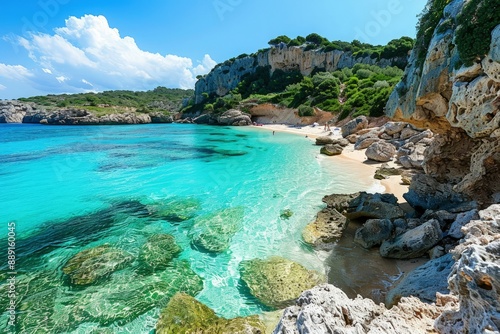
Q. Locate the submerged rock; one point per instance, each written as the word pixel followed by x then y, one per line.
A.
pixel 277 282
pixel 125 299
pixel 423 282
pixel 413 243
pixel 326 228
pixel 214 232
pixel 158 251
pixel 175 209
pixel 184 314
pixel 91 265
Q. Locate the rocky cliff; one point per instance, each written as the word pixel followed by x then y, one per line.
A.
pixel 226 76
pixel 461 104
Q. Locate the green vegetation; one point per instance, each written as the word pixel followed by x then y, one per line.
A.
pixel 427 23
pixel 475 24
pixel 159 99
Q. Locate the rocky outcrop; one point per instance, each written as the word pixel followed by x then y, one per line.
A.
pixel 13 111
pixel 461 106
pixel 326 309
pixel 277 282
pixel 373 232
pixel 381 206
pixel 231 117
pixel 226 76
pixel 326 229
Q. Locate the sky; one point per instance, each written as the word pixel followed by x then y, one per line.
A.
pixel 72 46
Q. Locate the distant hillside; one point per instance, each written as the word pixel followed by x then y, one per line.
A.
pixel 160 99
pixel 306 73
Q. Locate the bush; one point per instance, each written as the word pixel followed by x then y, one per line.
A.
pixel 279 39
pixel 315 39
pixel 475 24
pixel 305 110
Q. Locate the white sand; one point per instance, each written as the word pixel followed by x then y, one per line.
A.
pixel 391 185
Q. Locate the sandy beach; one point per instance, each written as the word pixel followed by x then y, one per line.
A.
pixel 391 185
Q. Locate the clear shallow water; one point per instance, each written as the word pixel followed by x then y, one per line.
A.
pixel 73 188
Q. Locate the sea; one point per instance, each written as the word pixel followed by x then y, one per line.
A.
pixel 66 189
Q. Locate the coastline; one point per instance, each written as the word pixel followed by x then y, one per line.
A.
pixel 391 185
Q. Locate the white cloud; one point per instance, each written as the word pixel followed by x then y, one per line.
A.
pixel 2 87
pixel 16 72
pixel 88 51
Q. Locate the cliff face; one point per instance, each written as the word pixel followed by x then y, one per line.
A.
pixel 461 105
pixel 226 76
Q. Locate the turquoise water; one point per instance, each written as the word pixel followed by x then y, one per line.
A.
pixel 74 188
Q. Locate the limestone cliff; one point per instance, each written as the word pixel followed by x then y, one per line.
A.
pixel 459 103
pixel 226 76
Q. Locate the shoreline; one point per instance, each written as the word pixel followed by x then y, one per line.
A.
pixel 391 185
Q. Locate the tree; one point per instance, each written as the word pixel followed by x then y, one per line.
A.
pixel 279 39
pixel 315 39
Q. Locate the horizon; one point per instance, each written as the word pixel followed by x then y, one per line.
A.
pixel 67 47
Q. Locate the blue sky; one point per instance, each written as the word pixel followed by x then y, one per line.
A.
pixel 68 46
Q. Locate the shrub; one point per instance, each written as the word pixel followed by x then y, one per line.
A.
pixel 475 24
pixel 315 39
pixel 279 39
pixel 305 110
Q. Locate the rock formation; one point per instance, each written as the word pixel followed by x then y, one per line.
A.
pixel 226 76
pixel 461 106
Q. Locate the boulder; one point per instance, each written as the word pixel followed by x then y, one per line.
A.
pixel 461 220
pixel 234 117
pixel 339 202
pixel 373 232
pixel 91 265
pixel 413 243
pixel 184 314
pixel 326 229
pixel 423 282
pixel 444 217
pixel 380 151
pixel 352 138
pixel 361 144
pixel 324 140
pixel 407 133
pixel 427 193
pixel 158 251
pixel 354 126
pixel 214 232
pixel 326 309
pixel 384 172
pixel 341 141
pixel 331 149
pixel 392 128
pixel 277 282
pixel 380 206
pixel 202 119
pixel 175 209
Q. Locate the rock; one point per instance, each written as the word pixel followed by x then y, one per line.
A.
pixel 286 214
pixel 91 265
pixel 413 243
pixel 326 309
pixel 354 126
pixel 475 278
pixel 361 144
pixel 380 206
pixel 324 140
pixel 392 128
pixel 159 251
pixel 384 172
pixel 175 209
pixel 277 282
pixel 123 299
pixel 427 193
pixel 202 119
pixel 380 151
pixel 341 141
pixel 444 217
pixel 234 117
pixel 352 138
pixel 331 150
pixel 407 133
pixel 339 202
pixel 326 229
pixel 373 232
pixel 461 220
pixel 184 314
pixel 423 282
pixel 158 117
pixel 214 232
